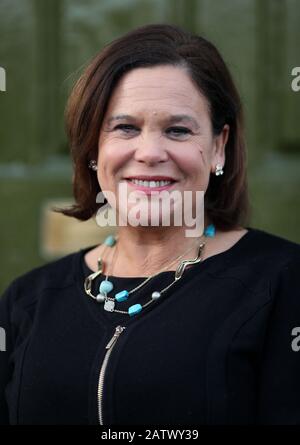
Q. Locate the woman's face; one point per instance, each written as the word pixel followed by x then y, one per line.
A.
pixel 157 127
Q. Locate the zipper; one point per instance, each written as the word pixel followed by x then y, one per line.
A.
pixel 110 345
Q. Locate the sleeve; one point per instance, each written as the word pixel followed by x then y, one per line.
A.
pixel 5 350
pixel 279 379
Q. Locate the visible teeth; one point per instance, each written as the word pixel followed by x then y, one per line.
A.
pixel 150 183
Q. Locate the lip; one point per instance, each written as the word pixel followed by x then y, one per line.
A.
pixel 151 178
pixel 148 190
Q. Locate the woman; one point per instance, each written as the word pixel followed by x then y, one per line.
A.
pixel 154 326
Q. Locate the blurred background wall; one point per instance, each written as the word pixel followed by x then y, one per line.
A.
pixel 44 45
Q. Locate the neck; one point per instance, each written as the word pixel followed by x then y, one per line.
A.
pixel 143 251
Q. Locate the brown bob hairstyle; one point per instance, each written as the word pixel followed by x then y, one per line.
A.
pixel 226 198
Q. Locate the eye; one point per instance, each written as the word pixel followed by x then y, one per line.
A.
pixel 126 128
pixel 174 131
pixel 179 131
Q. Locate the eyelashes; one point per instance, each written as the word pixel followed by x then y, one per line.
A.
pixel 180 130
pixel 173 131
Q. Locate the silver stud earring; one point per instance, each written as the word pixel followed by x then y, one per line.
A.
pixel 93 165
pixel 219 170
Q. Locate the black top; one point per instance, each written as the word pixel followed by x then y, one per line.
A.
pixel 220 347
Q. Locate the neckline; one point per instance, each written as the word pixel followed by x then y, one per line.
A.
pixel 225 255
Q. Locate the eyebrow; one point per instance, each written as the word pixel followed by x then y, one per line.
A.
pixel 171 119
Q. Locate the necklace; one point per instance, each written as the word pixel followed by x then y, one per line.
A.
pixel 106 286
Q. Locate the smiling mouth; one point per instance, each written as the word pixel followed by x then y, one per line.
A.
pixel 154 183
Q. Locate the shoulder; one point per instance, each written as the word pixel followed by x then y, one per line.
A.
pixel 258 259
pixel 276 262
pixel 275 252
pixel 267 250
pixel 56 274
pixel 271 243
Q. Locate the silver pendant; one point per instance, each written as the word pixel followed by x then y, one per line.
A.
pixel 109 305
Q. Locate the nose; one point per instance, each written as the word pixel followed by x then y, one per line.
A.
pixel 150 151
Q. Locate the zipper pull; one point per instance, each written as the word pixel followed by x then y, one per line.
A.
pixel 115 337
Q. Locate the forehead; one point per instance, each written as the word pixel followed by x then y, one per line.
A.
pixel 156 90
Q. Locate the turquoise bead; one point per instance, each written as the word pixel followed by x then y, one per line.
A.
pixel 121 296
pixel 135 309
pixel 105 287
pixel 210 231
pixel 110 241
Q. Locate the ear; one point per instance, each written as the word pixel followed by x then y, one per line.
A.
pixel 220 141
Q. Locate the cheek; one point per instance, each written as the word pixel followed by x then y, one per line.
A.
pixel 202 154
pixel 192 159
pixel 110 160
